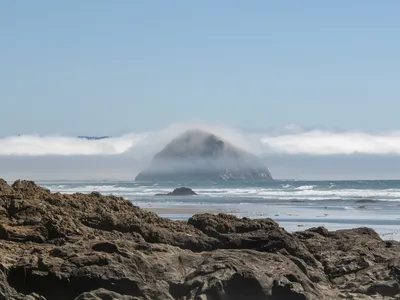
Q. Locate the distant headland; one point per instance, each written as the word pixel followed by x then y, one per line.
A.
pixel 197 155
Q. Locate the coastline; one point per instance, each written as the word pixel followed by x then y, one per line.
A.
pixel 79 246
pixel 183 212
pixel 291 221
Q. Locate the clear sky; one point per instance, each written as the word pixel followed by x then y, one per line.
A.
pixel 107 67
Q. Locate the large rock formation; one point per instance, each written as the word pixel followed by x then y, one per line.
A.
pixel 60 247
pixel 201 156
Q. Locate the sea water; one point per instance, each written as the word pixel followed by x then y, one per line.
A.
pixel 295 205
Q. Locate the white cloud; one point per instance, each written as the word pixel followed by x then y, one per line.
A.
pixel 291 140
pixel 32 145
pixel 318 142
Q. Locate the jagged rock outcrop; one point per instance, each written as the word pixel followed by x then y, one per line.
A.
pixel 89 246
pixel 182 191
pixel 201 156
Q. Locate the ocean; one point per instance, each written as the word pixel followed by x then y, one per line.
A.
pixel 295 205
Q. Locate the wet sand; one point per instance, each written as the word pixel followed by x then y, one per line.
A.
pixel 295 218
pixel 184 211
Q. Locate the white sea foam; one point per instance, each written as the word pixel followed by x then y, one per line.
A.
pixel 305 187
pixel 292 142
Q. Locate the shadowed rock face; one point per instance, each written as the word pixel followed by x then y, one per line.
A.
pixel 200 156
pixel 63 247
pixel 182 191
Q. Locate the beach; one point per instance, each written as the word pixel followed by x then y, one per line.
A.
pixel 294 205
pixel 296 217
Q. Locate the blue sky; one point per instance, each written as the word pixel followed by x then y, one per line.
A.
pixel 108 67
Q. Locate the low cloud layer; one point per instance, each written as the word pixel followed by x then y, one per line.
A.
pixel 289 153
pixel 318 142
pixel 291 140
pixel 33 145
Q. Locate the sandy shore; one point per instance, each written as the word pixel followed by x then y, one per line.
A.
pixel 186 211
pixel 295 218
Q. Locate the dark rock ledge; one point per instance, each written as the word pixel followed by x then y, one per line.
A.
pixel 182 191
pixel 55 246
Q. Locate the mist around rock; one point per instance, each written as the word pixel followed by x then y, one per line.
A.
pixel 197 155
pixel 290 152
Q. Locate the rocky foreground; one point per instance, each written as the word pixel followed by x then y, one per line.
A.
pixel 55 246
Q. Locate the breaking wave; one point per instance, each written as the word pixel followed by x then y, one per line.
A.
pixel 132 190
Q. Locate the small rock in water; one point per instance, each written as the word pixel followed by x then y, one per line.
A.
pixel 182 191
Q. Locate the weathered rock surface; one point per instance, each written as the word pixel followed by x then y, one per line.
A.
pixel 55 246
pixel 182 191
pixel 201 156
